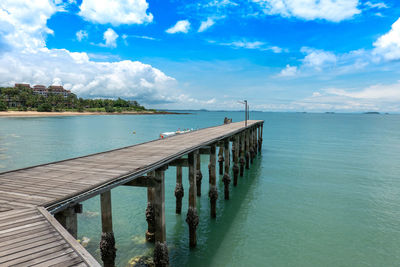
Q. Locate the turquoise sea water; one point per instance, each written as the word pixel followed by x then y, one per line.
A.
pixel 324 192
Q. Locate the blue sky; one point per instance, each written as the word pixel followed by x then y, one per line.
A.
pixel 280 55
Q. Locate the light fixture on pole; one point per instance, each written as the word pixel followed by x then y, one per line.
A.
pixel 245 110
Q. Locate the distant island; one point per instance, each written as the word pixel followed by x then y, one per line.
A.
pixel 24 98
pixel 371 112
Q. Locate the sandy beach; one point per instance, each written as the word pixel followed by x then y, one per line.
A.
pixel 72 113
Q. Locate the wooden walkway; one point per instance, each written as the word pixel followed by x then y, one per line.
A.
pixel 29 234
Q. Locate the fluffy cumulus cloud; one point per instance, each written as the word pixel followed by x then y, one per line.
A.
pixel 331 10
pixel 206 24
pixel 80 35
pixel 110 38
pixel 289 71
pixel 23 23
pixel 129 79
pixel 317 59
pixel 27 59
pixel 388 45
pixel 182 26
pixel 116 12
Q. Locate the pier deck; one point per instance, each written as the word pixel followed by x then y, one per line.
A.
pixel 30 235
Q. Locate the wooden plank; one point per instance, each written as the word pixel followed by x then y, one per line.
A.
pixel 29 241
pixel 21 223
pixel 20 196
pixel 40 246
pixel 22 232
pixel 28 236
pixel 15 222
pixel 64 260
pixel 15 214
pixel 25 226
pixel 36 256
pixel 51 254
pixel 69 239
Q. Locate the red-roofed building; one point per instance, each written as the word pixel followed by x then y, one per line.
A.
pixel 22 85
pixel 52 89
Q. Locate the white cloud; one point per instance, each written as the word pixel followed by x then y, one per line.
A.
pixel 377 97
pixel 276 49
pixel 221 3
pixel 181 26
pixel 27 59
pixel 317 59
pixel 378 5
pixel 23 23
pixel 324 64
pixel 206 24
pixel 110 38
pixel 262 46
pixel 191 101
pixel 142 37
pixel 289 71
pixel 388 45
pixel 116 12
pixel 331 10
pixel 129 79
pixel 384 93
pixel 80 35
pixel 63 6
pixel 245 44
pixel 316 94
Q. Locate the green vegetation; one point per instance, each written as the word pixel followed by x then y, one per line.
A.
pixel 24 99
pixel 3 106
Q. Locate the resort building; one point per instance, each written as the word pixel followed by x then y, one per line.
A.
pixel 23 85
pixel 42 90
pixel 58 90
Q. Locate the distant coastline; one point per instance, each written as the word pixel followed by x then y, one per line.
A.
pixel 74 113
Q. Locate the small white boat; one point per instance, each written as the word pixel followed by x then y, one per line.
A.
pixel 169 134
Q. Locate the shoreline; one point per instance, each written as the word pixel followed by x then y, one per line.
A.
pixel 75 113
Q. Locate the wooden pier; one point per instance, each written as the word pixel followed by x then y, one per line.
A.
pixel 39 205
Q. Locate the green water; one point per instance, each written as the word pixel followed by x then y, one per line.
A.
pixel 324 192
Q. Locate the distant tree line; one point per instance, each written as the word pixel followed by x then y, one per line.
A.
pixel 24 99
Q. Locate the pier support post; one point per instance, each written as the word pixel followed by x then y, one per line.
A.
pixel 247 140
pixel 233 149
pixel 179 191
pixel 199 175
pixel 221 159
pixel 251 145
pixel 150 216
pixel 161 258
pixel 69 220
pixel 107 243
pixel 255 141
pixel 226 179
pixel 213 192
pixel 192 218
pixel 242 161
pixel 236 160
pixel 261 136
